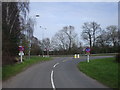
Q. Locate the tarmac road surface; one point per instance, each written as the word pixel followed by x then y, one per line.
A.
pixel 62 72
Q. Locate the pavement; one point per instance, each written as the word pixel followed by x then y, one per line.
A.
pixel 62 72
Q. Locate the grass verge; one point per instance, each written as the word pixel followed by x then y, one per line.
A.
pixel 11 70
pixel 104 70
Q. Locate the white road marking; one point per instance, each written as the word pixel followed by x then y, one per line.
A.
pixel 64 60
pixel 55 64
pixel 52 82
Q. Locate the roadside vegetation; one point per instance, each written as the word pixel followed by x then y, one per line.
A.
pixel 104 70
pixel 11 70
pixel 18 28
pixel 104 54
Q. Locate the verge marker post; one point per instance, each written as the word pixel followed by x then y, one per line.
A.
pixel 78 56
pixel 75 56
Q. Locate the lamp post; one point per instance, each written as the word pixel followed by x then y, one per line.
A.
pixel 29 37
pixel 37 16
pixel 42 40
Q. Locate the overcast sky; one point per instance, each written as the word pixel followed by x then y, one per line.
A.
pixel 55 15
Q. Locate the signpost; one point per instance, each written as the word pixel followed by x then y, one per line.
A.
pixel 21 49
pixel 88 52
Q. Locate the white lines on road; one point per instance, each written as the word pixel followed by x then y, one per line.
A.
pixel 52 82
pixel 64 60
pixel 55 64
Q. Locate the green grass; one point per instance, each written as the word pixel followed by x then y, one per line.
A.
pixel 104 70
pixel 104 54
pixel 11 70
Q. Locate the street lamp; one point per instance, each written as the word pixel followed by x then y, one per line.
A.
pixel 37 15
pixel 42 39
pixel 29 37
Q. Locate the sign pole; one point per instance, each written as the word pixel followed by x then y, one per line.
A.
pixel 88 52
pixel 75 56
pixel 21 49
pixel 88 58
pixel 21 56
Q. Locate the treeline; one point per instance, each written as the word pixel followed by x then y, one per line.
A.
pixel 98 39
pixel 18 27
pixel 17 30
pixel 67 42
pixel 14 16
pixel 101 40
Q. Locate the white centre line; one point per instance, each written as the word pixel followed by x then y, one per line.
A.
pixel 64 60
pixel 55 64
pixel 52 82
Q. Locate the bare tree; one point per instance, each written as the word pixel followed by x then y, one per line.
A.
pixel 29 29
pixel 35 46
pixel 70 35
pixel 89 33
pixel 103 39
pixel 54 43
pixel 13 14
pixel 61 40
pixel 65 39
pixel 46 43
pixel 19 9
pixel 113 34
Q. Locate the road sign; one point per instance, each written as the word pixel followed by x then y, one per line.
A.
pixel 21 48
pixel 21 52
pixel 87 49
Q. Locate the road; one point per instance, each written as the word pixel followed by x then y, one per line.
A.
pixel 62 72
